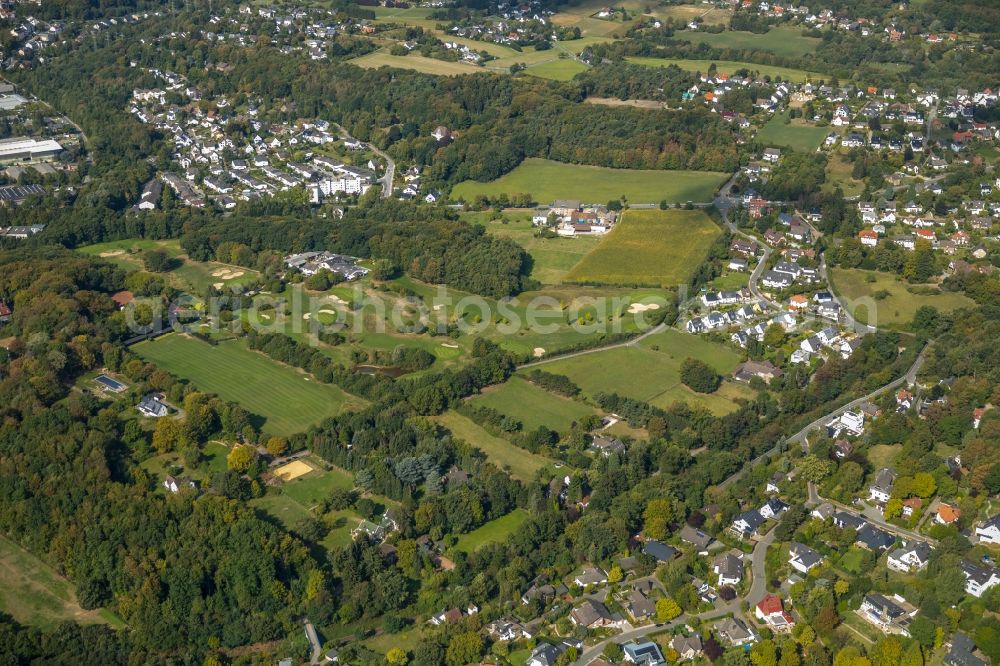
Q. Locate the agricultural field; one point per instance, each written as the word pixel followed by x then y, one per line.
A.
pixel 552 257
pixel 894 303
pixel 727 67
pixel 797 134
pixel 780 41
pixel 415 62
pixel 520 463
pixel 534 406
pixel 415 16
pixel 289 401
pixel 651 371
pixel 495 531
pixel 547 180
pixel 709 15
pixel 34 593
pixel 560 69
pixel 649 247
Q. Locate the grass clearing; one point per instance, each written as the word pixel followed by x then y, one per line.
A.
pixel 709 15
pixel 415 62
pixel 317 486
pixel 534 406
pixel 838 174
pixel 521 464
pixel 282 508
pixel 728 67
pixel 552 257
pixel 492 532
pixel 780 41
pixel 547 180
pixel 858 290
pixel 34 593
pixel 650 248
pixel 797 134
pixel 289 401
pixel 651 371
pixel 883 455
pixel 560 69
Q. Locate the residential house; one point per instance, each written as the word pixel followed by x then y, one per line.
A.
pixel 765 370
pixel 962 652
pixel 697 538
pixel 729 568
pixel 735 632
pixel 639 605
pixel 543 591
pixel 746 524
pixel 687 647
pixel 881 488
pixel 546 654
pixel 152 406
pixel 659 551
pixel 646 653
pixel 842 449
pixel 607 445
pixel 175 484
pixel 989 530
pixel 979 579
pixel 909 557
pixel 891 615
pixel 591 576
pixel 802 558
pixel 947 514
pixel 871 538
pixel 772 508
pixel 591 615
pixel 772 613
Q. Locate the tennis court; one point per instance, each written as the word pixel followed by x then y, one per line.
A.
pixel 110 384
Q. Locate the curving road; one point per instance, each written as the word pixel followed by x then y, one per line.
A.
pixel 390 165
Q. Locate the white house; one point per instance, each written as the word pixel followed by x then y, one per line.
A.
pixel 910 557
pixel 881 488
pixel 979 579
pixel 802 558
pixel 989 530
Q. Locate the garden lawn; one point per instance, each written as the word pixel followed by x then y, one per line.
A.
pixel 288 400
pixel 534 406
pixel 547 180
pixel 649 248
pixel 797 134
pixel 780 41
pixel 726 67
pixel 34 594
pixel 838 174
pixel 895 310
pixel 522 464
pixel 495 531
pixel 651 371
pixel 282 508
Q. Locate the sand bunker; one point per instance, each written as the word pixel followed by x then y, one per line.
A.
pixel 112 253
pixel 218 285
pixel 636 308
pixel 227 273
pixel 539 352
pixel 326 311
pixel 449 345
pixel 292 470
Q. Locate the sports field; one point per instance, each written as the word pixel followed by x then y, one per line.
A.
pixel 415 62
pixel 897 308
pixel 290 401
pixel 36 595
pixel 522 464
pixel 651 371
pixel 796 134
pixel 534 406
pixel 492 532
pixel 780 41
pixel 547 180
pixel 727 67
pixel 659 248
